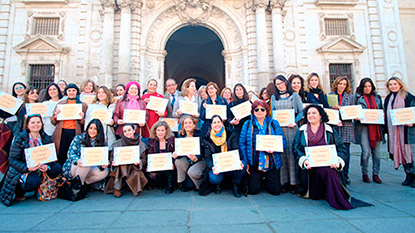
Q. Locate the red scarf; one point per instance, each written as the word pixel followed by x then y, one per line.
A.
pixel 374 130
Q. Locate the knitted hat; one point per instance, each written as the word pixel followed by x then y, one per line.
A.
pixel 131 83
pixel 72 85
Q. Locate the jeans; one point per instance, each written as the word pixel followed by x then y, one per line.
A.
pixel 346 161
pixel 236 176
pixel 366 150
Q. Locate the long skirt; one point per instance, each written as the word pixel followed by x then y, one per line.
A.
pixel 289 169
pixel 324 183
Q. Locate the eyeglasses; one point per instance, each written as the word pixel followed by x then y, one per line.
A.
pixel 32 115
pixel 18 88
pixel 259 109
pixel 279 84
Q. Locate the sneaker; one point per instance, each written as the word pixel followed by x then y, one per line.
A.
pixel 366 178
pixel 376 179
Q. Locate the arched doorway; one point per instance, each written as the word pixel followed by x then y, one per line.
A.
pixel 195 52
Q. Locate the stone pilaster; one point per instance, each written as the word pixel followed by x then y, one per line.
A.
pixel 124 50
pixel 262 45
pixel 107 46
pixel 278 36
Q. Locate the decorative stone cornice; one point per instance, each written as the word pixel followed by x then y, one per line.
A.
pixel 261 4
pixel 129 3
pixel 277 4
pixel 193 11
pixel 108 3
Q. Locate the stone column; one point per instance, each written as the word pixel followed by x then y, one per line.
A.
pixel 262 44
pixel 107 46
pixel 124 50
pixel 277 36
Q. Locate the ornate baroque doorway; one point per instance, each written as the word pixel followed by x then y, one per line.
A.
pixel 195 52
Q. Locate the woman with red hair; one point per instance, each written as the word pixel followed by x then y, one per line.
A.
pixel 261 164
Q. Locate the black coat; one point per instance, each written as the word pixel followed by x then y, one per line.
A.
pixel 17 165
pixel 210 147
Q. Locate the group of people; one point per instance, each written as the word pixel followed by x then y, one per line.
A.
pixel 287 171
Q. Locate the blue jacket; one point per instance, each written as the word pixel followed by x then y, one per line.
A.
pixel 247 141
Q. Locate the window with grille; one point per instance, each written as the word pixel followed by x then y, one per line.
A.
pixel 336 27
pixel 41 75
pixel 46 26
pixel 338 69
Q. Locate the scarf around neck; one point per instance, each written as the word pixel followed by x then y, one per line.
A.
pixel 219 139
pixel 130 141
pixel 133 102
pixel 34 142
pixel 314 139
pixel 374 130
pixel 263 161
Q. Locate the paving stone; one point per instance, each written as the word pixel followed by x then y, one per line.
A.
pixel 79 221
pixel 377 211
pixel 33 205
pixel 294 213
pixel 153 218
pixel 377 225
pixel 240 228
pixel 316 226
pixel 21 222
pixel 151 229
pixel 161 203
pixel 226 216
pixel 100 202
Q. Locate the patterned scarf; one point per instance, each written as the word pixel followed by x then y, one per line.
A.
pixel 133 103
pixel 219 139
pixel 402 153
pixel 263 164
pixel 374 130
pixel 34 142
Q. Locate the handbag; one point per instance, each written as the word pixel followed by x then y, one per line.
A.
pixel 48 189
pixel 72 190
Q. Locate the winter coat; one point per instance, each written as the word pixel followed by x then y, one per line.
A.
pixel 247 141
pixel 134 176
pixel 119 114
pixel 210 148
pixel 56 137
pixel 409 131
pixel 331 137
pixel 359 127
pixel 17 165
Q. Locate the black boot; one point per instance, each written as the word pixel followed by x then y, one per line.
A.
pixel 170 186
pixel 236 192
pixel 407 180
pixel 217 189
pixel 413 180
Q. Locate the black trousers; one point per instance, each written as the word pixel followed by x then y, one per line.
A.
pixel 66 139
pixel 272 181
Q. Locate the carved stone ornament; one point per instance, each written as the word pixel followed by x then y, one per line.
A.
pixel 108 3
pixel 277 3
pixel 193 11
pixel 261 4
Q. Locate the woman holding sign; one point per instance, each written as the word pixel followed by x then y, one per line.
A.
pixel 286 99
pixel 131 100
pixel 343 89
pixel 30 96
pixel 18 91
pixel 104 101
pixel 188 95
pixel 213 99
pixel 320 182
pixel 132 173
pixel 316 94
pixel 369 136
pixel 53 95
pixel 401 138
pixel 67 129
pixel 161 141
pixel 192 165
pixel 73 166
pixel 240 96
pixel 261 164
pixel 219 140
pixel 153 114
pixel 20 178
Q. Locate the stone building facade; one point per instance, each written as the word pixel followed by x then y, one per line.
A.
pixel 247 41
